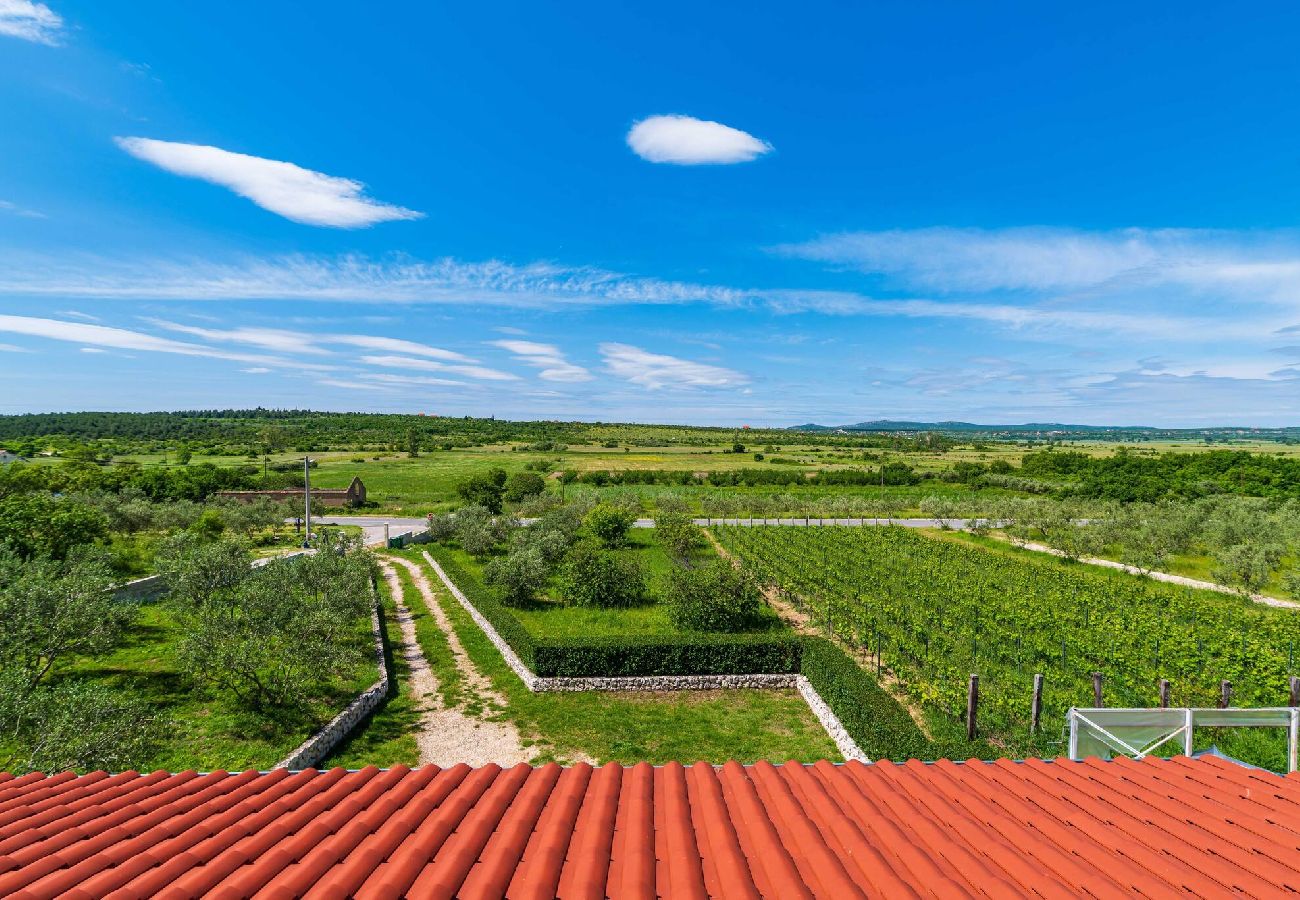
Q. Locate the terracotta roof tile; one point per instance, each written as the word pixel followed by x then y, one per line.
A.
pixel 1155 828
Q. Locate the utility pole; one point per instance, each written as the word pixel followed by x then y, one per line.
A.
pixel 306 501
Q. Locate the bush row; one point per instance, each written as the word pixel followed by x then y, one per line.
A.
pixel 879 724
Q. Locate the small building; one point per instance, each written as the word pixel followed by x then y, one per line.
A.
pixel 353 495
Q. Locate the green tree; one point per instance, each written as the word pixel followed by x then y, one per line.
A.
pixel 183 455
pixel 680 536
pixel 412 443
pixel 594 576
pixel 522 485
pixel 609 524
pixel 38 524
pixel 519 575
pixel 485 489
pixel 716 597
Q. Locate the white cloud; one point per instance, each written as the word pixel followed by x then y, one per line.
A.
pixel 13 348
pixel 349 385
pixel 547 357
pixel 256 370
pixel 22 211
pixel 298 194
pixel 406 362
pixel 93 350
pixel 30 21
pixel 657 370
pixel 387 378
pixel 686 141
pixel 302 342
pixel 972 260
pixel 96 336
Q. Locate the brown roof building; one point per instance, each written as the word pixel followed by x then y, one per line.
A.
pixel 1156 828
pixel 353 495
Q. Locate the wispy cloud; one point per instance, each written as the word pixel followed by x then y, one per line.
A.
pixel 30 21
pixel 407 362
pixel 348 385
pixel 970 260
pixel 686 141
pixel 13 348
pixel 298 194
pixel 22 211
pixel 103 336
pixel 412 380
pixel 547 357
pixel 658 370
pixel 287 341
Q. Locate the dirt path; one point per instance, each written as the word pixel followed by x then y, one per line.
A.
pixel 802 623
pixel 448 735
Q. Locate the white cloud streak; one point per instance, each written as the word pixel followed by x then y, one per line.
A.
pixel 547 357
pixel 30 21
pixel 300 195
pixel 412 380
pixel 406 362
pixel 103 336
pixel 686 141
pixel 302 342
pixel 658 370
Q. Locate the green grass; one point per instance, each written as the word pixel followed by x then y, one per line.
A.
pixel 714 726
pixel 387 737
pixel 550 617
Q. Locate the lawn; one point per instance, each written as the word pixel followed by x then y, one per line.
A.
pixel 551 617
pixel 713 726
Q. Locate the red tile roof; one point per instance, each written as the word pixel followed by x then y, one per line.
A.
pixel 1055 829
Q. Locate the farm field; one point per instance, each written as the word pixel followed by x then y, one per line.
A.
pixel 937 610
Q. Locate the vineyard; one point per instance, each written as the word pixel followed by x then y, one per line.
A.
pixel 932 612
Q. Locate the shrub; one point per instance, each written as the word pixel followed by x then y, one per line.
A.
pixel 518 575
pixel 717 597
pixel 442 528
pixel 593 576
pixel 609 523
pixel 484 490
pixel 522 485
pixel 678 534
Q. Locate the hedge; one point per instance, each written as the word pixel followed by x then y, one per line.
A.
pixel 876 721
pixel 503 620
pixel 704 654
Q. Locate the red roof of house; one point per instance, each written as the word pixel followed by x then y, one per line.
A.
pixel 1055 829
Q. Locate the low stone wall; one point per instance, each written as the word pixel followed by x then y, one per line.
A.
pixel 150 587
pixel 848 747
pixel 319 745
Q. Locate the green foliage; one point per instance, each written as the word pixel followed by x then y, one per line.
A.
pixel 53 611
pixel 38 524
pixel 266 634
pixel 875 720
pixel 478 531
pixel 1245 567
pixel 609 524
pixel 678 535
pixel 518 575
pixel 716 597
pixel 485 490
pixel 522 485
pixel 593 576
pixel 937 610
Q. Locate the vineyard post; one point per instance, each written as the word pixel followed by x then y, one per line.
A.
pixel 1225 694
pixel 1164 693
pixel 1096 690
pixel 1036 706
pixel 972 702
pixel 1295 690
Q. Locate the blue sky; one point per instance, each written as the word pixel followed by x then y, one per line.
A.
pixel 705 213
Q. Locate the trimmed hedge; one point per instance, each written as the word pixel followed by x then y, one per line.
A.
pixel 879 724
pixel 503 620
pixel 703 654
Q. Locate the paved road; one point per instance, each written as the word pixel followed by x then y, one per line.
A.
pixel 372 527
pixel 802 522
